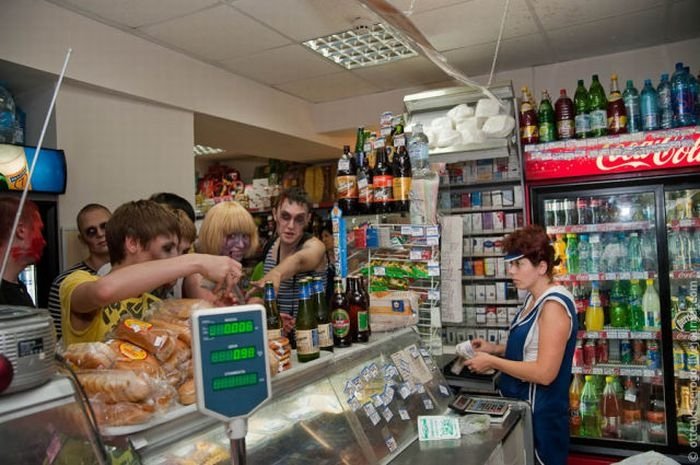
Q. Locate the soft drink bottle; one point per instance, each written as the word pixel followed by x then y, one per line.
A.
pixel 560 253
pixel 682 98
pixel 582 119
pixel 665 104
pixel 590 409
pixel 618 307
pixel 572 263
pixel 634 253
pixel 575 405
pixel 529 132
pixel 636 312
pixel 584 254
pixel 649 103
pixel 632 106
pixel 652 307
pixel 581 302
pixel 656 413
pixel 564 114
pixel 594 311
pixel 617 116
pixel 611 411
pixel 582 211
pixel 598 108
pixel 545 117
pixel 596 251
pixel 631 428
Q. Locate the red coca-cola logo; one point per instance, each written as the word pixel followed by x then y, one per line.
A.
pixel 682 155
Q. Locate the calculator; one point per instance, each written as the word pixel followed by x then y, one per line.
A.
pixel 489 406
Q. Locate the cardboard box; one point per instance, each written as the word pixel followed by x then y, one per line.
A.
pixel 499 220
pixel 490 292
pixel 466 223
pixel 477 225
pixel 484 169
pixel 512 311
pixel 502 315
pixel 500 292
pixel 481 319
pixel 489 266
pixel 496 199
pixel 502 336
pixel 480 293
pixel 477 245
pixel 481 333
pixel 517 196
pixel 469 293
pixel 507 197
pixel 486 221
pixel 492 336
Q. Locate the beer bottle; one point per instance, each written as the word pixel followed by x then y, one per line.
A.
pixel 365 185
pixel 365 296
pixel 340 318
pixel 402 178
pixel 383 182
pixel 272 313
pixel 529 133
pixel 325 329
pixel 306 325
pixel 359 327
pixel 346 182
pixel 598 105
pixel 616 113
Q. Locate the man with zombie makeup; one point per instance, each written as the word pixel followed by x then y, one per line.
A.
pixel 26 249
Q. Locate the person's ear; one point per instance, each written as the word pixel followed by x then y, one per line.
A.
pixel 542 267
pixel 81 238
pixel 132 245
pixel 22 231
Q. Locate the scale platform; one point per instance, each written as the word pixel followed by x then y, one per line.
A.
pixel 467 381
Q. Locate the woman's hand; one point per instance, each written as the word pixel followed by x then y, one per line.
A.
pixel 256 286
pixel 288 323
pixel 481 345
pixel 480 363
pixel 224 271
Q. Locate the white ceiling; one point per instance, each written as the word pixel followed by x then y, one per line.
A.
pixel 261 39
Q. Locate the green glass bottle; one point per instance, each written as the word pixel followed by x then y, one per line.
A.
pixel 272 313
pixel 325 329
pixel 582 110
pixel 306 325
pixel 599 108
pixel 340 315
pixel 545 117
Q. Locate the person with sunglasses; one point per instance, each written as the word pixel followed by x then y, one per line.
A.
pixel 92 224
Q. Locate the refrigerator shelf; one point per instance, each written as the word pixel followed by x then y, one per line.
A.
pixel 685 223
pixel 488 232
pixel 686 374
pixel 603 227
pixel 619 334
pixel 511 208
pixel 622 276
pixel 484 278
pixel 617 370
pixel 684 274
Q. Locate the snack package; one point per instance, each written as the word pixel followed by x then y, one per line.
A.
pixel 156 341
pixel 90 355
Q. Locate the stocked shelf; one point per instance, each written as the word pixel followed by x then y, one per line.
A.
pixel 686 374
pixel 616 370
pixel 488 232
pixel 514 208
pixel 484 255
pixel 485 278
pixel 615 333
pixel 621 276
pixel 685 223
pixel 492 148
pixel 684 274
pixel 604 227
pixel 480 184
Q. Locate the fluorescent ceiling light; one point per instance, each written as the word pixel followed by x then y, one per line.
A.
pixel 360 47
pixel 206 150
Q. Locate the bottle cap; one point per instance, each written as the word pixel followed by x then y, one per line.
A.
pixel 613 76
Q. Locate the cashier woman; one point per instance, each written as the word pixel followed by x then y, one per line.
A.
pixel 535 364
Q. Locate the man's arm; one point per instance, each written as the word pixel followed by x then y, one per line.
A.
pixel 308 258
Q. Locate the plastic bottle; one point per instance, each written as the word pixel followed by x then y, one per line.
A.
pixel 594 311
pixel 7 116
pixel 581 301
pixel 545 118
pixel 584 254
pixel 575 406
pixel 619 309
pixel 529 132
pixel 564 114
pixel 634 253
pixel 652 307
pixel 424 183
pixel 665 103
pixel 599 108
pixel 596 251
pixel 649 103
pixel 582 103
pixel 632 106
pixel 590 409
pixel 631 428
pixel 694 85
pixel 682 98
pixel 656 413
pixel 617 116
pixel 636 312
pixel 346 182
pixel 560 253
pixel 572 262
pixel 611 411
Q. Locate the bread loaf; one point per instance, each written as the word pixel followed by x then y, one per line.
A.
pixel 178 327
pixel 90 355
pixel 156 341
pixel 114 386
pixel 186 392
pixel 134 358
pixel 179 308
pixel 121 413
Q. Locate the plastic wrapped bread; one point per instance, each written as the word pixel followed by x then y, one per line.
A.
pixel 113 386
pixel 460 112
pixel 441 123
pixel 448 137
pixel 498 126
pixel 158 342
pixel 90 355
pixel 133 358
pixel 179 308
pixel 121 413
pixel 486 107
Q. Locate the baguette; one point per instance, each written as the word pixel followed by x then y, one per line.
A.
pixel 113 386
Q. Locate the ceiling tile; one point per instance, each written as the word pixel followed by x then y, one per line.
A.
pixel 422 5
pixel 401 74
pixel 304 19
pixel 279 65
pixel 609 35
pixel 216 34
pixel 135 13
pixel 556 14
pixel 330 87
pixel 474 22
pixel 683 23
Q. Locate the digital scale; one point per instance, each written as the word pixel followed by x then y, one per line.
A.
pixel 466 404
pixel 231 369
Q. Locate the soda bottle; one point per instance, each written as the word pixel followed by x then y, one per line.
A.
pixel 631 428
pixel 383 182
pixel 682 98
pixel 272 313
pixel 575 405
pixel 564 115
pixel 582 120
pixel 636 312
pixel 570 215
pixel 598 108
pixel 584 254
pixel 529 132
pixel 594 311
pixel 652 307
pixel 581 302
pixel 346 182
pixel 596 250
pixel 560 253
pixel 665 104
pixel 618 307
pixel 590 409
pixel 549 213
pixel 582 210
pixel 560 213
pixel 634 253
pixel 340 315
pixel 325 327
pixel 545 117
pixel 611 411
pixel 630 97
pixel 617 116
pixel 656 413
pixel 595 210
pixel 306 325
pixel 359 320
pixel 649 103
pixel 572 262
pixel 694 87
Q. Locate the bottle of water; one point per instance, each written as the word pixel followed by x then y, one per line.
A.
pixel 424 185
pixel 634 253
pixel 584 254
pixel 649 103
pixel 695 92
pixel 572 261
pixel 631 98
pixel 665 106
pixel 652 307
pixel 7 116
pixel 682 98
pixel 648 246
pixel 594 265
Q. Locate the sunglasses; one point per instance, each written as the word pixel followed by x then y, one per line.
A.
pixel 93 230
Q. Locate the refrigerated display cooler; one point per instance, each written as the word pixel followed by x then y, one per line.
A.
pixel 623 213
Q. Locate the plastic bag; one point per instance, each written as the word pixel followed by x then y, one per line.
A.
pixel 470 424
pixel 648 458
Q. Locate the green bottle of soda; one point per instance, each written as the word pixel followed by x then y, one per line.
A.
pixel 545 117
pixel 599 108
pixel 306 325
pixel 582 110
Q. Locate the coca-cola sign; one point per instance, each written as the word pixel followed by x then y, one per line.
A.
pixel 657 150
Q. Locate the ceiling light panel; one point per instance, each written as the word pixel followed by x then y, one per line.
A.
pixel 357 48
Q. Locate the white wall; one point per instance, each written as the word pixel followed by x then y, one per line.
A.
pixel 120 149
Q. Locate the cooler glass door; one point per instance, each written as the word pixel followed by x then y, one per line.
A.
pixel 607 243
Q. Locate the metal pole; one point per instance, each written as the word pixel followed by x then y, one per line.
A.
pixel 238 455
pixel 237 429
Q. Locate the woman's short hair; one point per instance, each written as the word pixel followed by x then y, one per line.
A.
pixel 534 244
pixel 222 220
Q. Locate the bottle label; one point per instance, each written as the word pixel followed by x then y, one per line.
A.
pixel 362 321
pixel 401 188
pixel 343 164
pixel 13 166
pixel 366 191
pixel 383 187
pixel 528 132
pixel 274 334
pixel 325 335
pixel 583 124
pixel 341 322
pixel 346 187
pixel 307 341
pixel 566 129
pixel 617 123
pixel 547 132
pixel 599 120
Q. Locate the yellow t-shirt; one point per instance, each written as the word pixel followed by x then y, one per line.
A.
pixel 105 319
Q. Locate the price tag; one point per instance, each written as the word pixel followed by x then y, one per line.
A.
pixel 596 371
pixel 366 374
pixel 593 335
pixel 371 413
pixel 406 231
pixel 379 143
pixel 416 254
pixel 584 277
pixel 434 271
pixel 404 391
pixel 433 294
pixel 432 240
pixel 388 395
pixel 428 403
pixel 626 276
pixel 385 131
pixel 377 400
pixel 400 140
pixel 420 389
pixel 432 231
pixel 444 391
pixel 373 370
pixel 403 413
pixel 387 414
pixel 417 231
pixel 390 442
pixel 379 271
pixel 354 403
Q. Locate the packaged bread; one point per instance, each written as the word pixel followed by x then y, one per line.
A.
pixel 121 413
pixel 157 341
pixel 112 386
pixel 90 355
pixel 279 355
pixel 134 358
pixel 180 308
pixel 186 393
pixel 175 368
pixel 209 453
pixel 181 328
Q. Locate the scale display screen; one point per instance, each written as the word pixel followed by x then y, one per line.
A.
pixel 229 347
